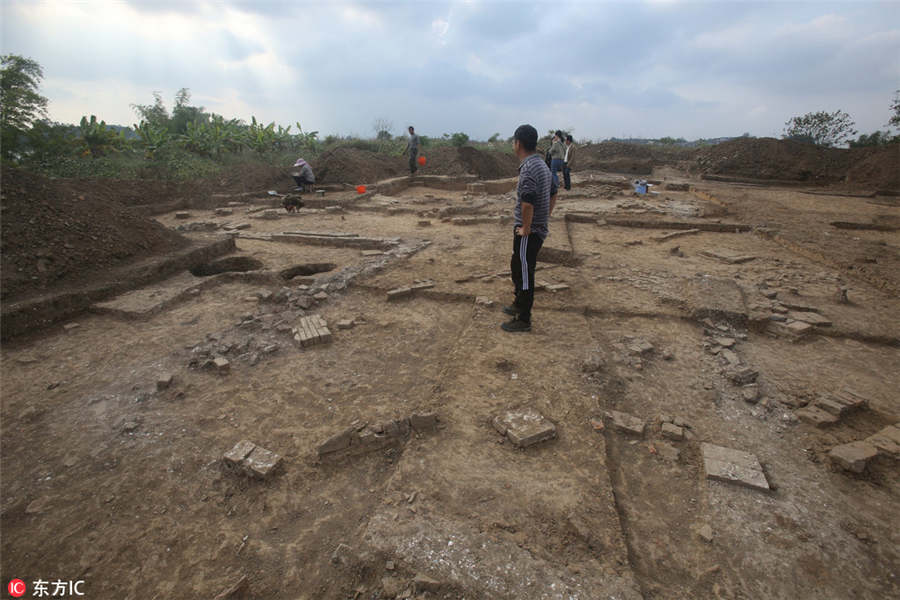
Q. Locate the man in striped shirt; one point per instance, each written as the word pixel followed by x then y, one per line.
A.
pixel 535 199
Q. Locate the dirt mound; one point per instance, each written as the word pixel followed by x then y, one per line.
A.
pixel 486 165
pixel 54 232
pixel 354 166
pixel 768 158
pixel 133 192
pixel 877 168
pixel 622 157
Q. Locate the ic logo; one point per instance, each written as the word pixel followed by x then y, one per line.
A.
pixel 17 588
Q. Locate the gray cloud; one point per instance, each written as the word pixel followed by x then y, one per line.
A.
pixel 688 69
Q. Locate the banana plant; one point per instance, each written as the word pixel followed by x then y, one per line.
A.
pixel 153 137
pixel 98 138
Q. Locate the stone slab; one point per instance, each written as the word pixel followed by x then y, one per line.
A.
pixel 668 236
pixel 733 466
pixel 887 441
pixel 809 317
pixel 423 421
pixel 789 329
pixel 853 456
pixel 401 292
pixel 261 463
pixel 742 375
pixel 815 416
pixel 626 423
pixel 671 431
pixel 727 258
pixel 524 427
pixel 239 452
pixel 340 441
pixel 831 406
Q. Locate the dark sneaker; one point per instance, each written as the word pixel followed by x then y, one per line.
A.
pixel 511 310
pixel 516 326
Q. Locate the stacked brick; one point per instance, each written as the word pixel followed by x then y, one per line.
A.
pixel 311 330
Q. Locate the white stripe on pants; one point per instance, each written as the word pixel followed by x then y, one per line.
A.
pixel 523 258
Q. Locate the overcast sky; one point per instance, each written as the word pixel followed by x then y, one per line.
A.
pixel 627 69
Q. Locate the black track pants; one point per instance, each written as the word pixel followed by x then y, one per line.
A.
pixel 524 257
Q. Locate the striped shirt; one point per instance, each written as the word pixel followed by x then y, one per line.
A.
pixel 535 182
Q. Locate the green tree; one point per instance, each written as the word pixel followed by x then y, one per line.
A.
pixel 895 110
pixel 459 139
pixel 821 128
pixel 877 138
pixel 494 138
pixel 383 127
pixel 20 102
pixel 183 113
pixel 154 114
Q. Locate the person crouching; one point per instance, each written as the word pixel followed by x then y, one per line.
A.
pixel 303 175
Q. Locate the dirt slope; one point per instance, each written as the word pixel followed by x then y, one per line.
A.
pixel 768 158
pixel 53 233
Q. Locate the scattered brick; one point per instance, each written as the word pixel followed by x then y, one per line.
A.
pixel 815 416
pixel 742 375
pixel 400 292
pixel 361 437
pixel 249 459
pixel 164 381
pixel 626 423
pixel 672 432
pixel 423 421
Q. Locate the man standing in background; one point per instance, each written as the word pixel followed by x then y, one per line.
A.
pixel 535 199
pixel 412 146
pixel 567 162
pixel 557 154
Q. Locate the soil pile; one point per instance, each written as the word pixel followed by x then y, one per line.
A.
pixel 133 192
pixel 353 166
pixel 486 165
pixel 622 157
pixel 53 233
pixel 877 168
pixel 768 158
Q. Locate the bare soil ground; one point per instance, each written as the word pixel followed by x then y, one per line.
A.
pixel 109 480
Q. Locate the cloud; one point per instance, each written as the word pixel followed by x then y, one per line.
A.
pixel 660 68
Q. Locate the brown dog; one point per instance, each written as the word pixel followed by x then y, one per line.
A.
pixel 292 204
